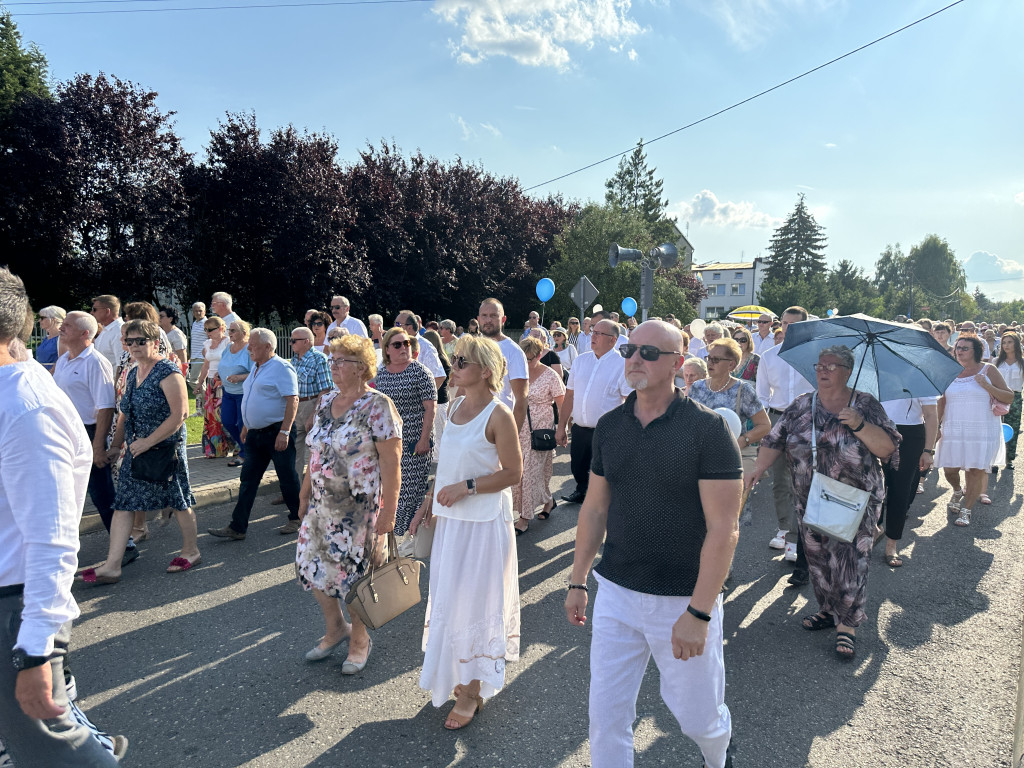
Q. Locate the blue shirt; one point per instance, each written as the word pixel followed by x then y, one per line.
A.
pixel 264 393
pixel 313 370
pixel 46 353
pixel 232 364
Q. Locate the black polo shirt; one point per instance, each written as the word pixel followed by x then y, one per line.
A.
pixel 656 523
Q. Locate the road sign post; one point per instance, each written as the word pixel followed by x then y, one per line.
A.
pixel 583 295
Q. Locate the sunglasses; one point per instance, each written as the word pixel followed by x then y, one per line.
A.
pixel 136 341
pixel 296 341
pixel 316 323
pixel 764 322
pixel 460 362
pixel 648 352
pixel 740 339
pixel 400 344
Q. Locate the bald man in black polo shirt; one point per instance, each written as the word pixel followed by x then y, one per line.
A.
pixel 665 487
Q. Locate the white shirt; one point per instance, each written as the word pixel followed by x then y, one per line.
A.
pixel 763 345
pixel 515 369
pixel 228 319
pixel 567 356
pixel 583 342
pixel 88 380
pixel 620 341
pixel 428 356
pixel 698 348
pixel 1011 375
pixel 108 342
pixel 778 383
pixel 907 410
pixel 598 385
pixel 351 324
pixel 177 339
pixel 45 460
pixel 212 355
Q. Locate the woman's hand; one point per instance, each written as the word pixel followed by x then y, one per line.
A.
pixel 850 417
pixel 450 494
pixel 982 379
pixel 385 524
pixel 422 447
pixel 751 480
pixel 423 516
pixel 113 453
pixel 140 446
pixel 927 461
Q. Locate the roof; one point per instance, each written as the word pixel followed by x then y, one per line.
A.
pixel 723 265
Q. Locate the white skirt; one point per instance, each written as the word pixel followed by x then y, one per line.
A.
pixel 472 623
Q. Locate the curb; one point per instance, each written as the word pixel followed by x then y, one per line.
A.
pixel 206 496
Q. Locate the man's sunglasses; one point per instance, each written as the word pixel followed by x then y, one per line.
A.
pixel 648 352
pixel 400 344
pixel 460 362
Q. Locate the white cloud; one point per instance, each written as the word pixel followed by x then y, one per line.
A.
pixel 1000 279
pixel 491 129
pixel 633 55
pixel 1019 198
pixel 750 22
pixel 467 131
pixel 830 145
pixel 706 208
pixel 536 33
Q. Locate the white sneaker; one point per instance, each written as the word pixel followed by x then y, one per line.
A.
pixel 779 542
pixel 790 555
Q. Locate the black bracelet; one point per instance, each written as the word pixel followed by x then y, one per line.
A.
pixel 862 423
pixel 930 450
pixel 578 586
pixel 699 614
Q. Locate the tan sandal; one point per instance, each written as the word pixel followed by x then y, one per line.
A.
pixel 461 721
pixel 140 536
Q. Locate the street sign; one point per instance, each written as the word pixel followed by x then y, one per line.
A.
pixel 583 294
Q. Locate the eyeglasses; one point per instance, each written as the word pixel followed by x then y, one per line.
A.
pixel 296 341
pixel 400 344
pixel 648 352
pixel 717 360
pixel 316 323
pixel 602 333
pixel 764 322
pixel 460 362
pixel 830 367
pixel 337 362
pixel 136 341
pixel 335 306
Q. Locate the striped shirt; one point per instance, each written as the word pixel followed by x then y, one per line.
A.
pixel 313 370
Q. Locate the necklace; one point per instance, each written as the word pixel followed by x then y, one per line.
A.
pixel 728 383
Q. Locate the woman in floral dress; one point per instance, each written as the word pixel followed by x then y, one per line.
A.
pixel 546 388
pixel 350 494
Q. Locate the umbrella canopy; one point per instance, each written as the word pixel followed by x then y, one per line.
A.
pixel 891 361
pixel 749 312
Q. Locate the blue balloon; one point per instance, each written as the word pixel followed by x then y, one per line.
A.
pixel 545 289
pixel 629 306
pixel 1007 433
pixel 829 313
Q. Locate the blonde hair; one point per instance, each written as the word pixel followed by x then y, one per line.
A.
pixel 243 326
pixel 531 346
pixel 486 354
pixel 357 347
pixel 729 345
pixel 385 344
pixel 212 320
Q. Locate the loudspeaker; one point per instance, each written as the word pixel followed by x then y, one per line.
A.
pixel 666 254
pixel 617 254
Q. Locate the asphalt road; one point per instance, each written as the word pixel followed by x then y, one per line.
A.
pixel 206 668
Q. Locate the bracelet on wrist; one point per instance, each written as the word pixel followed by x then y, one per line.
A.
pixel 578 586
pixel 860 426
pixel 698 613
pixel 930 450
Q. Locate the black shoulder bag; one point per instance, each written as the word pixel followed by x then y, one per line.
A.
pixel 159 464
pixel 540 439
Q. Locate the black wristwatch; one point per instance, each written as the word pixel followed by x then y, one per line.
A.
pixel 21 660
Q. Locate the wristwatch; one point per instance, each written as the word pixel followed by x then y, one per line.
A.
pixel 21 660
pixel 471 485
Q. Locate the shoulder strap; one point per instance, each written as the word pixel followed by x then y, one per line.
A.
pixel 739 392
pixel 814 432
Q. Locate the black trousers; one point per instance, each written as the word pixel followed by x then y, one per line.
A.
pixel 101 486
pixel 259 452
pixel 901 484
pixel 581 452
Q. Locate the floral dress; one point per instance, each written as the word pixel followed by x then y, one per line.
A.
pixel 534 490
pixel 839 571
pixel 344 472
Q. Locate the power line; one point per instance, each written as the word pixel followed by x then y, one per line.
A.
pixel 746 100
pixel 197 7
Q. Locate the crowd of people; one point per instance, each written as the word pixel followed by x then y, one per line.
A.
pixel 445 434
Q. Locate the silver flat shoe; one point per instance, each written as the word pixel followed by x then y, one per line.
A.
pixel 319 654
pixel 351 668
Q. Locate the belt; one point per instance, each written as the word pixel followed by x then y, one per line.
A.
pixel 270 427
pixel 13 590
pixel 307 399
pixel 775 410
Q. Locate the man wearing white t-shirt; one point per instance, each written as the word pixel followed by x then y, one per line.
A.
pixel 342 319
pixel 106 309
pixel 220 305
pixel 516 384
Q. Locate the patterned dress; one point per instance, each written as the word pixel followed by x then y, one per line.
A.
pixel 408 390
pixel 534 490
pixel 145 408
pixel 332 553
pixel 839 571
pixel 217 443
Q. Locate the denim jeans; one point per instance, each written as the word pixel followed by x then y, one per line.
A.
pixel 101 486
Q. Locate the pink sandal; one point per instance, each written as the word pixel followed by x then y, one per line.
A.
pixel 984 499
pixel 180 564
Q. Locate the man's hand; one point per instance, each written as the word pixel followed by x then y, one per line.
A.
pixel 576 607
pixel 244 432
pixel 560 436
pixel 688 637
pixel 99 457
pixel 34 691
pixel 422 447
pixel 281 442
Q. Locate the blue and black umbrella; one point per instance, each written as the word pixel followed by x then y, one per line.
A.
pixel 891 361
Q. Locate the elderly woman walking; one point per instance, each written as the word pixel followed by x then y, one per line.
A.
pixel 853 435
pixel 50 320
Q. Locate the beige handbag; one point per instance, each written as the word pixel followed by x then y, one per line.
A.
pixel 388 590
pixel 423 541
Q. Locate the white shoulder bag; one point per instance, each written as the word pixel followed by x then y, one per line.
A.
pixel 834 509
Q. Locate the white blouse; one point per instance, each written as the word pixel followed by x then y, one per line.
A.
pixel 1012 375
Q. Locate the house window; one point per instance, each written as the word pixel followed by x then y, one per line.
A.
pixel 738 275
pixel 739 289
pixel 716 275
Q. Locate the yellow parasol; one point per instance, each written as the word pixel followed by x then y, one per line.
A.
pixel 750 312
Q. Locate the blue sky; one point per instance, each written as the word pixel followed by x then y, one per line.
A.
pixel 918 134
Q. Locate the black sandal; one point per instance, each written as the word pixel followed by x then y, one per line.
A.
pixel 846 645
pixel 544 515
pixel 822 620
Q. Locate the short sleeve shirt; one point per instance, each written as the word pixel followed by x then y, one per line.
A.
pixel 656 525
pixel 516 369
pixel 264 393
pixel 88 380
pixel 749 404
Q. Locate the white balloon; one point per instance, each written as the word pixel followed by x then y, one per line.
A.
pixel 697 327
pixel 731 419
pixel 596 308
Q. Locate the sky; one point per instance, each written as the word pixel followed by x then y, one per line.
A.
pixel 918 134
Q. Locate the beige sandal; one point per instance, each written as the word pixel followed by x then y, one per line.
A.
pixel 140 536
pixel 461 720
pixel 964 519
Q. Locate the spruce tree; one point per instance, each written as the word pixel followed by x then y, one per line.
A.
pixel 634 189
pixel 797 249
pixel 22 71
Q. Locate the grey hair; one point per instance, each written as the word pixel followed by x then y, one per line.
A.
pixel 716 328
pixel 223 296
pixel 304 332
pixel 264 336
pixel 54 313
pixel 841 351
pixel 13 305
pixel 199 304
pixel 344 302
pixel 83 321
pixel 448 325
pixel 337 332
pixel 17 349
pixel 375 320
pixel 697 363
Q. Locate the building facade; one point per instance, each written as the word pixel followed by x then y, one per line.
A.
pixel 729 285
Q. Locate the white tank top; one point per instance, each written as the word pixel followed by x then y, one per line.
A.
pixel 466 453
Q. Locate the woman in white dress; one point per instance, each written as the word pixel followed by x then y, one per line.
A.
pixel 472 624
pixel 971 436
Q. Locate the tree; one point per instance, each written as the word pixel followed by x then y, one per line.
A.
pixel 797 249
pixel 812 293
pixel 851 291
pixel 891 277
pixel 23 72
pixel 937 275
pixel 634 188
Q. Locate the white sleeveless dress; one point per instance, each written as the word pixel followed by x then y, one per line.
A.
pixel 972 436
pixel 472 622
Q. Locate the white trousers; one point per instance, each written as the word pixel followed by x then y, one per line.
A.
pixel 629 627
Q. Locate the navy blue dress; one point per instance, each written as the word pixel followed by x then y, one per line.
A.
pixel 145 408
